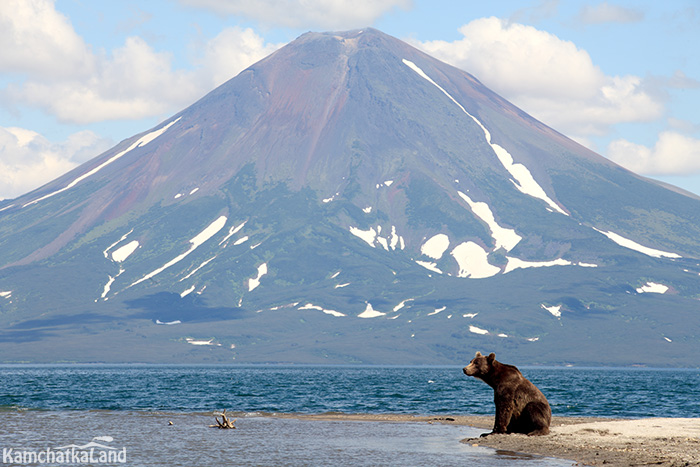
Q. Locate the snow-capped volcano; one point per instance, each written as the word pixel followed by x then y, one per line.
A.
pixel 350 199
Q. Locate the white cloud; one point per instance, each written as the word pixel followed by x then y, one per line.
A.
pixel 536 13
pixel 680 80
pixel 28 160
pixel 230 52
pixel 51 68
pixel 548 77
pixel 684 126
pixel 673 154
pixel 607 13
pixel 134 81
pixel 325 14
pixel 38 40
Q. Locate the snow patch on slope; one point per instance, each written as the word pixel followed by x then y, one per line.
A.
pixel 517 263
pixel 193 341
pixel 553 310
pixel 396 240
pixel 437 310
pixel 169 323
pixel 524 181
pixel 429 266
pixel 311 306
pixel 632 245
pixel 254 282
pixel 506 238
pixel 108 285
pixel 473 261
pixel 106 251
pixel 211 230
pixel 367 235
pixel 471 258
pixel 373 237
pixel 232 231
pixel 122 253
pixel 435 246
pixel 187 292
pixel 370 312
pixel 328 200
pixel 653 287
pixel 241 240
pixel 144 140
pixel 204 263
pixel 403 304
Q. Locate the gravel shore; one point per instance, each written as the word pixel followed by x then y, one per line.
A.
pixel 587 441
pixel 651 441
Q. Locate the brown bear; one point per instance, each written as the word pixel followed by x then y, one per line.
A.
pixel 520 406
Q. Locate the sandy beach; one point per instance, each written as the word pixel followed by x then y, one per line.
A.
pixel 587 441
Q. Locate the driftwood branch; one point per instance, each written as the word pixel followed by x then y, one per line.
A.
pixel 225 423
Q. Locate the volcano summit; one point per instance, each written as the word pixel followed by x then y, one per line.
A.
pixel 350 199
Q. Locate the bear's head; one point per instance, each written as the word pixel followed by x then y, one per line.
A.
pixel 480 365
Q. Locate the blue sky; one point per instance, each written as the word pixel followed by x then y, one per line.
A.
pixel 78 76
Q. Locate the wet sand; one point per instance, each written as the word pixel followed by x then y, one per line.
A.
pixel 588 441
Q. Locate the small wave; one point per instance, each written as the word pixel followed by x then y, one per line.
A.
pixel 19 408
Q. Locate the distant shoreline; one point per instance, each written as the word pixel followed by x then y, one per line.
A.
pixel 459 366
pixel 587 440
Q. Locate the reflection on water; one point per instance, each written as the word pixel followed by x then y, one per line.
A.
pixel 149 440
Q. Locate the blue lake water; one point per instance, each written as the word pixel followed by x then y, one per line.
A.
pixel 130 405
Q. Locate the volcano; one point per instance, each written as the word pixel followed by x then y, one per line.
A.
pixel 350 199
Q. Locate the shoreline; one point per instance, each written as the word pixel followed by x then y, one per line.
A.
pixel 667 442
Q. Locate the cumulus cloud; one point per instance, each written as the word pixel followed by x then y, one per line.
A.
pixel 230 52
pixel 608 13
pixel 548 77
pixel 29 160
pixel 51 68
pixel 673 154
pixel 324 14
pixel 38 40
pixel 133 82
pixel 67 80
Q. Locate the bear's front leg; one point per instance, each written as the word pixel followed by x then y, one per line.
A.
pixel 504 412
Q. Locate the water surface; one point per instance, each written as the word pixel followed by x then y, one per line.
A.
pixel 129 407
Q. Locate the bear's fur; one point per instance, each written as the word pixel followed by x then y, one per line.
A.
pixel 520 406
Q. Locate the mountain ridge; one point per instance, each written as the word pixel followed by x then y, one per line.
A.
pixel 347 179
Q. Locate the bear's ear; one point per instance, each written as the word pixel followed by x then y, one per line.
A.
pixel 491 357
pixel 478 354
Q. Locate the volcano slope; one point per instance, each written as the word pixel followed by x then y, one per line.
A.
pixel 350 199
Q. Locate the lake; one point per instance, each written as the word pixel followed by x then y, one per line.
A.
pixel 128 408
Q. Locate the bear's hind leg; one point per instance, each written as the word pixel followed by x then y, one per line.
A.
pixel 535 419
